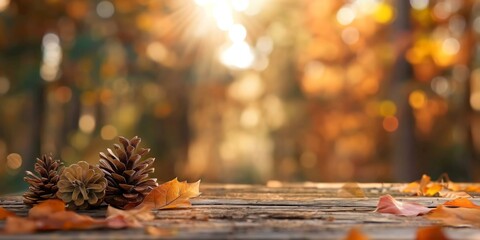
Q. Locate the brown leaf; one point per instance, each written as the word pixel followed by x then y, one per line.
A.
pixel 356 234
pixel 172 194
pixel 387 204
pixel 133 217
pixel 46 208
pixel 160 232
pixel 351 190
pixel 461 202
pixel 431 232
pixel 19 225
pixel 4 213
pixel 424 181
pixel 66 220
pixel 458 217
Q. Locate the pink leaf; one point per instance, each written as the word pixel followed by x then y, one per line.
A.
pixel 388 204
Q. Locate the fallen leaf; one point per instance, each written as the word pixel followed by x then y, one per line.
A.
pixel 4 213
pixel 432 189
pixel 356 234
pixel 46 208
pixel 387 204
pixel 413 187
pixel 424 181
pixel 160 232
pixel 430 232
pixel 351 190
pixel 461 202
pixel 172 194
pixel 19 225
pixel 134 217
pixel 452 194
pixel 472 188
pixel 457 217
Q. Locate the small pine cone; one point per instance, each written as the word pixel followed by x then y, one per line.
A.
pixel 82 186
pixel 43 184
pixel 127 173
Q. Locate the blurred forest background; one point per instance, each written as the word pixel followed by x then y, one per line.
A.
pixel 245 90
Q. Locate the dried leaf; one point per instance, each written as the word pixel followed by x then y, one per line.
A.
pixel 172 194
pixel 46 208
pixel 4 213
pixel 19 225
pixel 160 232
pixel 387 204
pixel 472 188
pixel 458 217
pixel 133 217
pixel 451 194
pixel 432 189
pixel 356 234
pixel 351 190
pixel 431 232
pixel 413 187
pixel 461 202
pixel 424 181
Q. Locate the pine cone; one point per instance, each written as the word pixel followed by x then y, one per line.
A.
pixel 82 186
pixel 43 184
pixel 126 173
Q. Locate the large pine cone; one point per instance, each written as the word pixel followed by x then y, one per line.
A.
pixel 82 186
pixel 127 173
pixel 43 184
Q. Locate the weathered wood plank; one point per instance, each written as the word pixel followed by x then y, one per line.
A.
pixel 310 211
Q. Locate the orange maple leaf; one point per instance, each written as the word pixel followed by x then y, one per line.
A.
pixel 172 194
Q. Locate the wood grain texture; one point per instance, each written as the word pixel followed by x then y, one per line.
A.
pixel 286 211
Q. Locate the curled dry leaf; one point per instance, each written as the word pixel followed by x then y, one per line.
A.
pixel 458 217
pixel 356 234
pixel 172 194
pixel 4 213
pixel 46 208
pixel 133 217
pixel 430 232
pixel 388 204
pixel 351 190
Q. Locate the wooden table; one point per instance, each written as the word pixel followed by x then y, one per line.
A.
pixel 285 211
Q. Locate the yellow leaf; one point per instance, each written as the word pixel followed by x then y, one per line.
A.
pixel 172 194
pixel 351 190
pixel 413 187
pixel 424 181
pixel 432 189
